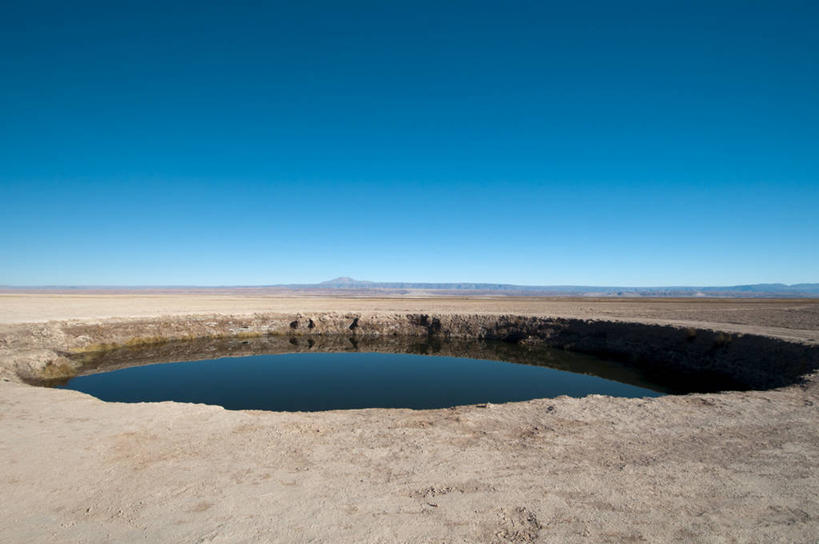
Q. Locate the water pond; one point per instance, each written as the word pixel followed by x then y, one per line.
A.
pixel 349 376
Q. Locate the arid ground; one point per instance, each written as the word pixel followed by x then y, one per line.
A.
pixel 725 467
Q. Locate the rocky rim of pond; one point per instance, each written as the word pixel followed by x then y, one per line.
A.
pixel 57 351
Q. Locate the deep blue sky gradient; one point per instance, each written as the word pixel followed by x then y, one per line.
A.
pixel 609 143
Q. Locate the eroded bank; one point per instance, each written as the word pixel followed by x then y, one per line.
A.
pixel 707 360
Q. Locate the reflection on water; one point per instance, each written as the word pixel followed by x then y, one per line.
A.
pixel 333 372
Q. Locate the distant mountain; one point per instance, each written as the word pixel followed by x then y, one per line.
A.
pixel 351 287
pixel 345 281
pixel 754 290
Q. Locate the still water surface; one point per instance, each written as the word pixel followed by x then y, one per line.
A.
pixel 332 381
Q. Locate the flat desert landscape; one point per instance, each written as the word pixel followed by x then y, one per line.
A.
pixel 409 272
pixel 737 466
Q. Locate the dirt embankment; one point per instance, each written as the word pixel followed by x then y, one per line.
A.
pixel 737 361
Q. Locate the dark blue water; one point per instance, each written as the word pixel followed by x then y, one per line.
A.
pixel 332 381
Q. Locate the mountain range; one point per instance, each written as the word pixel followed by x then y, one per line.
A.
pixel 347 286
pixel 751 290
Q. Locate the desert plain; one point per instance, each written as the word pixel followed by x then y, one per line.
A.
pixel 736 466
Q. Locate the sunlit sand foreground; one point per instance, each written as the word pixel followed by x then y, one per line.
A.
pixel 735 466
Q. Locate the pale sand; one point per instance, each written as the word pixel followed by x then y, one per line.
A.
pixel 783 318
pixel 731 467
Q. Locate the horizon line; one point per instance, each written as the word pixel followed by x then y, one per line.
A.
pixel 359 284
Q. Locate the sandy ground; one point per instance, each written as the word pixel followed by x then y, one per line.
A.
pixel 783 318
pixel 730 467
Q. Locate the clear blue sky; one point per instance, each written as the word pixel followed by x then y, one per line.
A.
pixel 608 143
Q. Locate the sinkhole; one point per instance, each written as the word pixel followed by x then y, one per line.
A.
pixel 341 373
